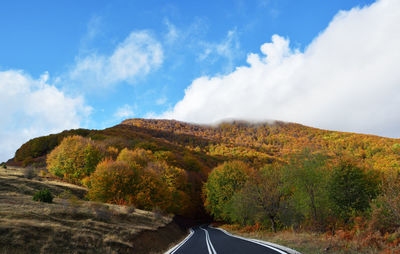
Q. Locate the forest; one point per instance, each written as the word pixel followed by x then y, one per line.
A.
pixel 273 175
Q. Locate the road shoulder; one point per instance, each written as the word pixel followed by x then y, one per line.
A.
pixel 261 242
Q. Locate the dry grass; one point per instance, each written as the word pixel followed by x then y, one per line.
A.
pixel 69 224
pixel 311 243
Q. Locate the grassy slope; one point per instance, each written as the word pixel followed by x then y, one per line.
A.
pixel 71 224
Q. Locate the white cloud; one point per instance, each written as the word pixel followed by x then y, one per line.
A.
pixel 347 79
pixel 162 100
pixel 135 57
pixel 31 108
pixel 173 34
pixel 228 48
pixel 124 112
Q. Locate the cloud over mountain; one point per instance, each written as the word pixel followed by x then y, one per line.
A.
pixel 346 79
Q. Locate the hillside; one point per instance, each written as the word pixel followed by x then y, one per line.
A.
pixel 199 148
pixel 73 225
pixel 266 142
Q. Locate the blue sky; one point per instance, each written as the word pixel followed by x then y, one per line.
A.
pixel 103 61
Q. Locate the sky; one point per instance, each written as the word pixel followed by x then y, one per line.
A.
pixel 91 64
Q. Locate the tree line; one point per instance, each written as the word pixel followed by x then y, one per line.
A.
pixel 312 191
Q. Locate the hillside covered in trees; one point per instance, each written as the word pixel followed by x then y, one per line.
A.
pixel 277 175
pixel 199 148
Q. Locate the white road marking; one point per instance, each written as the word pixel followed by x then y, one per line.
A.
pixel 210 246
pixel 254 241
pixel 176 247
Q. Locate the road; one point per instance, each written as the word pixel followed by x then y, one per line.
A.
pixel 208 240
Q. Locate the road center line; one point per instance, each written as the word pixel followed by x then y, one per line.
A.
pixel 210 246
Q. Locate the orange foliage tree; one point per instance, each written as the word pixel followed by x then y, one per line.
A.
pixel 74 159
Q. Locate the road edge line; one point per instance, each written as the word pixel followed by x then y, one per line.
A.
pixel 176 247
pixel 274 246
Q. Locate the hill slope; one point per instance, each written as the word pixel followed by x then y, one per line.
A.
pixel 73 225
pixel 199 148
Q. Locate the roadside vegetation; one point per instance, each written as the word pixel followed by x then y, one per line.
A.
pixel 347 203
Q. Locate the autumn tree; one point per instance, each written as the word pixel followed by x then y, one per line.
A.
pixel 221 185
pixel 114 182
pixel 266 187
pixel 138 178
pixel 74 159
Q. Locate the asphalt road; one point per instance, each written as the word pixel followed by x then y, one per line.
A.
pixel 208 240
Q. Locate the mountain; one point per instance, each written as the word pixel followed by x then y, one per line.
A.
pixel 199 148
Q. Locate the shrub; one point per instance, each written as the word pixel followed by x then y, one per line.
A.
pixel 101 211
pixel 3 165
pixel 29 173
pixel 43 173
pixel 157 214
pixel 43 196
pixel 128 209
pixel 386 207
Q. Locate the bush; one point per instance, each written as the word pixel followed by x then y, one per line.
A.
pixel 101 211
pixel 128 209
pixel 43 196
pixel 29 173
pixel 3 165
pixel 386 207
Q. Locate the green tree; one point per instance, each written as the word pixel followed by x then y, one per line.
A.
pixel 352 188
pixel 242 208
pixel 306 176
pixel 221 185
